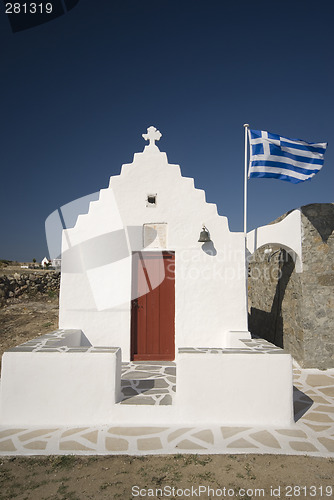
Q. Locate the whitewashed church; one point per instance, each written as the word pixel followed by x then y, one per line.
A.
pixel 134 274
pixel 151 273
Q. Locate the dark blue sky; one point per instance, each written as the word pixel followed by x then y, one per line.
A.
pixel 78 92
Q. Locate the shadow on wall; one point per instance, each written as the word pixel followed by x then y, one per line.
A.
pixel 301 403
pixel 269 325
pixel 321 216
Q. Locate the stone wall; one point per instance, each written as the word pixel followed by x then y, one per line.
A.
pixel 296 311
pixel 28 285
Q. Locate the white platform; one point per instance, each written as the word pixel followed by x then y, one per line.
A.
pixel 50 381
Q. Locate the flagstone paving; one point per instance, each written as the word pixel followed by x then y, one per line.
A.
pixel 151 383
pixel 155 384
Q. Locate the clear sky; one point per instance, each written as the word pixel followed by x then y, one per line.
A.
pixel 78 92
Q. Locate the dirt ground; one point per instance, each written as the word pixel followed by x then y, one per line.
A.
pixel 125 477
pixel 24 320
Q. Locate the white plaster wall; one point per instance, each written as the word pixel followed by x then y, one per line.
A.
pixel 236 388
pixel 286 233
pixel 53 388
pixel 95 291
pixel 84 389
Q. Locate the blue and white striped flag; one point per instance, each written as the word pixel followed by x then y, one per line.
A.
pixel 278 157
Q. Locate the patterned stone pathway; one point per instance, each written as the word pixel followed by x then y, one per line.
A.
pixel 152 383
pixel 313 433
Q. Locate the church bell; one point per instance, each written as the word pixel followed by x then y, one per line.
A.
pixel 204 235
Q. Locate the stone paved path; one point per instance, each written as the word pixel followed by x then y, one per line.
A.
pixel 146 383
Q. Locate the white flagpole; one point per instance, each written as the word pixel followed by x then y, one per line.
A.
pixel 246 125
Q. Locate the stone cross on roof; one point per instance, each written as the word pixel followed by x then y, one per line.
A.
pixel 152 135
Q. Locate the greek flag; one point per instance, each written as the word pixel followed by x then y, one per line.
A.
pixel 278 157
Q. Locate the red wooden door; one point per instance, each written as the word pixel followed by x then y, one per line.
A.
pixel 153 312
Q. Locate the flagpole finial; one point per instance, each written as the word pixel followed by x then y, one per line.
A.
pixel 246 125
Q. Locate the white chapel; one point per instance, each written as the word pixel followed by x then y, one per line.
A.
pixel 134 274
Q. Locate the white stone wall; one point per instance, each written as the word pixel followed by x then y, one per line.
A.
pixel 81 385
pixel 72 387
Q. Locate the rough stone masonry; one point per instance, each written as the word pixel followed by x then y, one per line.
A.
pixel 28 285
pixel 296 311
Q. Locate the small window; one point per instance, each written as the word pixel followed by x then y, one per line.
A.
pixel 151 200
